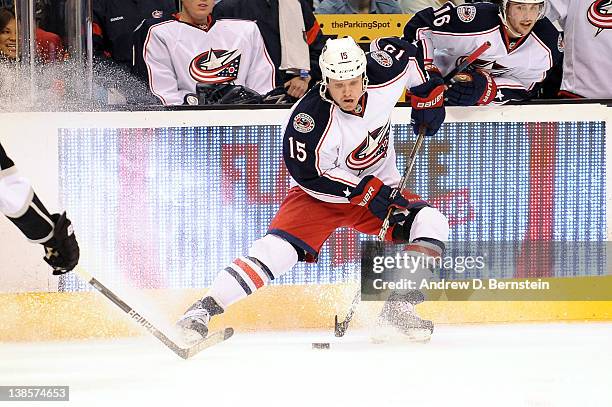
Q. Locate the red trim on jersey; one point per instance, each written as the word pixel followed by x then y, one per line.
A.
pixel 391 81
pixel 270 62
pixel 325 174
pixel 509 85
pixel 329 122
pixel 209 22
pixel 466 34
pixel 550 59
pixel 566 94
pixel 250 272
pixel 506 38
pixel 311 35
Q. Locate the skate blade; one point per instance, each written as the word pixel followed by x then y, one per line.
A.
pixel 392 335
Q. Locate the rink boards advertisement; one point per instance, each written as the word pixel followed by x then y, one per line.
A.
pixel 167 199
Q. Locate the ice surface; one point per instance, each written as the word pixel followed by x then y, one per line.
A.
pixel 470 365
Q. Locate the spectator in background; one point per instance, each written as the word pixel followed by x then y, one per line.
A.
pixel 193 47
pixel 115 20
pixel 8 36
pixel 359 7
pixel 587 25
pixel 49 46
pixel 414 6
pixel 300 37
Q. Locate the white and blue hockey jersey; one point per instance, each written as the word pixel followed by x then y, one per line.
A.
pixel 178 55
pixel 451 33
pixel 587 26
pixel 328 151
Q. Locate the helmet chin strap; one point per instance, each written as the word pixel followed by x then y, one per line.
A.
pixel 507 25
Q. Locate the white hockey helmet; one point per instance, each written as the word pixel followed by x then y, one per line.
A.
pixel 342 59
pixel 503 10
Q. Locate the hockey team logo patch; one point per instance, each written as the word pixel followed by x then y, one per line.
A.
pixel 303 123
pixel 371 150
pixel 382 58
pixel 466 13
pixel 157 14
pixel 215 66
pixel 600 15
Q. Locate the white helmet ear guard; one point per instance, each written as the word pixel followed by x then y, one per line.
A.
pixel 341 59
pixel 503 11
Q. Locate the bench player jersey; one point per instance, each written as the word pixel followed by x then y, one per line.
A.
pixel 178 55
pixel 328 151
pixel 587 26
pixel 452 33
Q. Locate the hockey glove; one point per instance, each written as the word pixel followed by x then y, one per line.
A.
pixel 474 88
pixel 62 250
pixel 371 192
pixel 427 102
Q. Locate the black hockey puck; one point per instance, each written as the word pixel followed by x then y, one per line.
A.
pixel 320 345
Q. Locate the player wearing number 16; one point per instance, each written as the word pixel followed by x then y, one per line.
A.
pixel 338 148
pixel 525 45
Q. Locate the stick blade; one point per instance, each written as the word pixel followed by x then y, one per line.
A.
pixel 210 340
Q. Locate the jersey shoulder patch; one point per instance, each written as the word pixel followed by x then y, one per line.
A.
pixel 310 115
pixel 388 59
pixel 466 18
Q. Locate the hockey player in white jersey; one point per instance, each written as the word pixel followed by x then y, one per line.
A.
pixel 587 27
pixel 21 205
pixel 192 47
pixel 524 47
pixel 338 148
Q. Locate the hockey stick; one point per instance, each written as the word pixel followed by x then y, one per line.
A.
pixel 341 327
pixel 448 79
pixel 184 353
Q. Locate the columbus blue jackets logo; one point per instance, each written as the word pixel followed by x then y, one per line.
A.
pixel 382 58
pixel 304 123
pixel 600 15
pixel 492 67
pixel 215 66
pixel 466 13
pixel 371 150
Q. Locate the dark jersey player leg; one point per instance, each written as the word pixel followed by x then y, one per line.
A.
pixel 338 148
pixel 19 203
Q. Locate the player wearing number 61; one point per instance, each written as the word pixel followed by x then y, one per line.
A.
pixel 338 148
pixel 525 45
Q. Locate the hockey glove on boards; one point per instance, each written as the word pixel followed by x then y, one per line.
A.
pixel 62 250
pixel 471 88
pixel 427 100
pixel 371 192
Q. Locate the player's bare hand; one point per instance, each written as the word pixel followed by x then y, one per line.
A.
pixel 297 86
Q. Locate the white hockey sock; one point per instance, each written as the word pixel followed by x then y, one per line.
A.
pixel 268 258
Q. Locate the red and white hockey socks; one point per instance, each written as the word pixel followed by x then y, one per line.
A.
pixel 267 259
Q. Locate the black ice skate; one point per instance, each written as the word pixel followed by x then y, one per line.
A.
pixel 193 325
pixel 399 316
